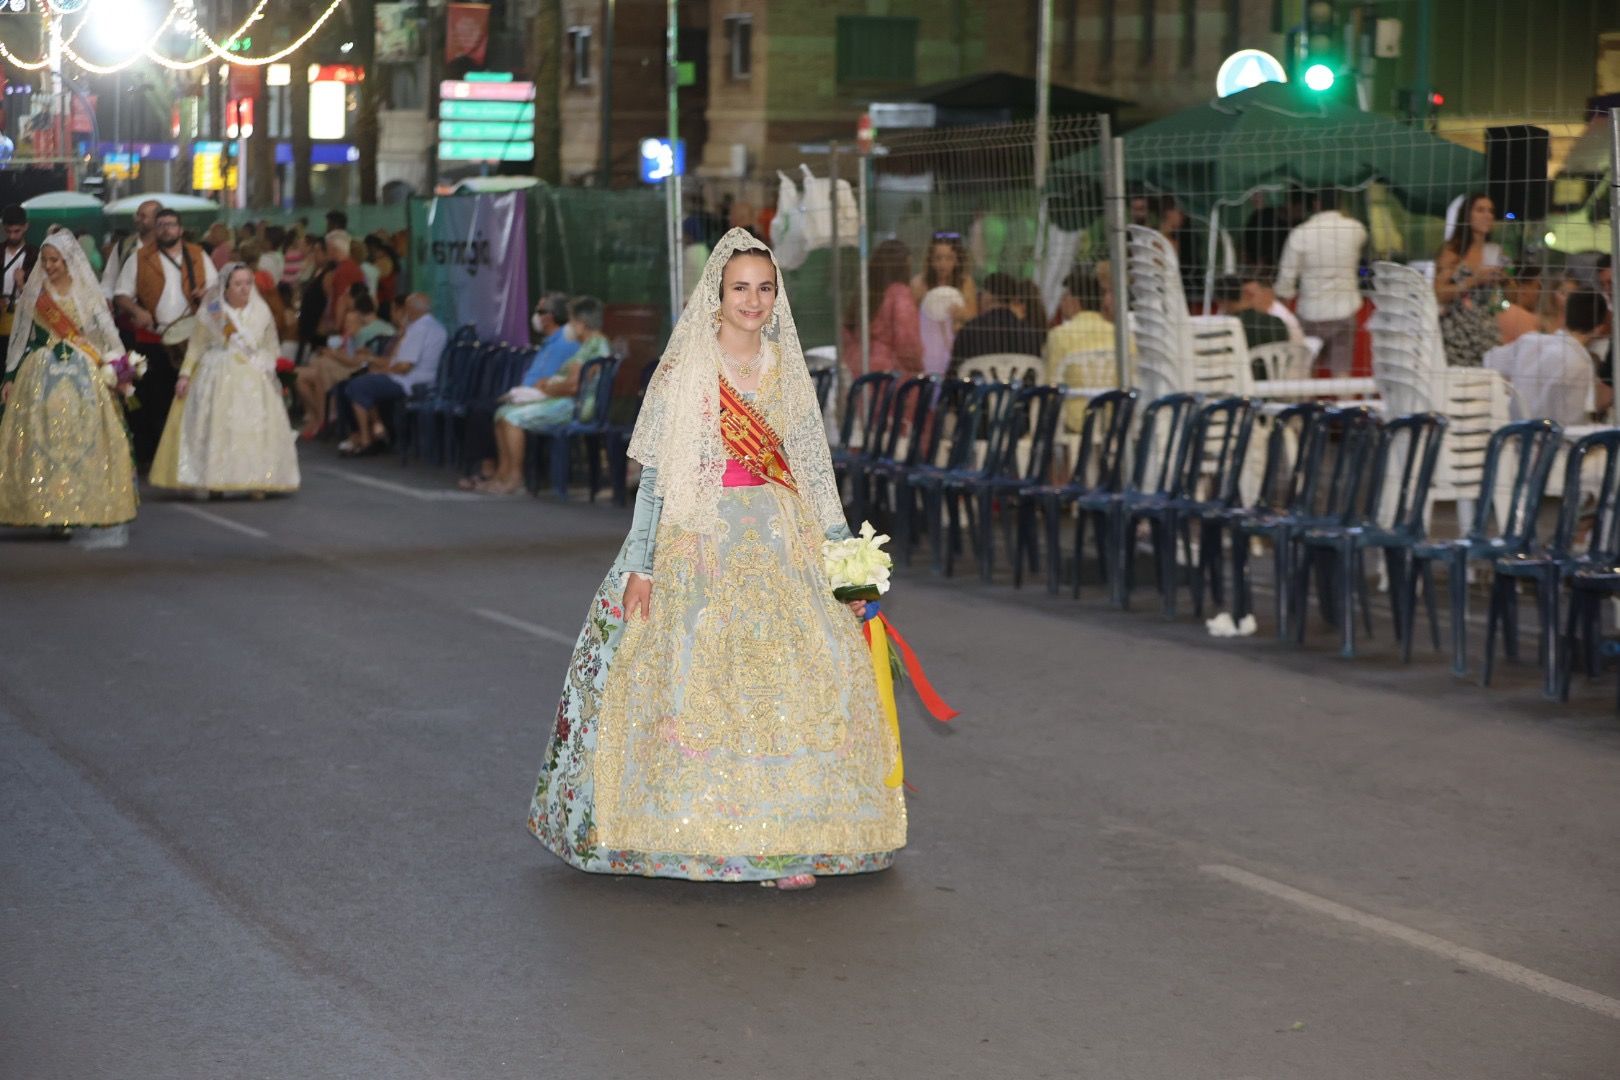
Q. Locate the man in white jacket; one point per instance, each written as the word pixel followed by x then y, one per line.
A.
pixel 1320 264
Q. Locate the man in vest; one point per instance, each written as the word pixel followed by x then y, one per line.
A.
pixel 120 253
pixel 158 287
pixel 16 261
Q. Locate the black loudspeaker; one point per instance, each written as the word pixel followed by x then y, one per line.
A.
pixel 1516 168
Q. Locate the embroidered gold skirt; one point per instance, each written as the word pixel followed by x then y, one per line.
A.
pixel 64 451
pixel 736 733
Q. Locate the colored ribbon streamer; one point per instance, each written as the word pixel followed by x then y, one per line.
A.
pixel 878 641
pixel 879 630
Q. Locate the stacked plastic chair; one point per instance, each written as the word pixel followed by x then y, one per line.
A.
pixel 1409 365
pixel 1176 352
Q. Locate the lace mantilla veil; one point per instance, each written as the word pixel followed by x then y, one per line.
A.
pixel 94 315
pixel 678 431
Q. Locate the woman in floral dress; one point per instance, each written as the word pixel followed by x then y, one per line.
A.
pixel 720 719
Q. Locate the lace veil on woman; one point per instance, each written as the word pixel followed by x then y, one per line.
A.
pixel 734 733
pixel 65 457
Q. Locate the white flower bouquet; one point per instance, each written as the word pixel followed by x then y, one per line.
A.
pixel 121 373
pixel 858 568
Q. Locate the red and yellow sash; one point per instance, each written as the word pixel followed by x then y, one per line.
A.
pixel 751 441
pixel 49 314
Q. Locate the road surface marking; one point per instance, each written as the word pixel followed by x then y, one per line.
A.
pixel 527 627
pixel 1505 970
pixel 222 522
pixel 424 494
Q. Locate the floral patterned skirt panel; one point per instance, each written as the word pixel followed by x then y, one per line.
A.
pixel 735 734
pixel 64 451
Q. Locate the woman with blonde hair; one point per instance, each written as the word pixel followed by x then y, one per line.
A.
pixel 720 718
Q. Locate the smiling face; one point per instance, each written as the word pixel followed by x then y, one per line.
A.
pixel 55 266
pixel 239 287
pixel 747 292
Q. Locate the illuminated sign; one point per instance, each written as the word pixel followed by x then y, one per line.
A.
pixel 278 75
pixel 659 161
pixel 1246 69
pixel 208 166
pixel 485 130
pixel 511 111
pixel 458 90
pixel 328 110
pixel 487 151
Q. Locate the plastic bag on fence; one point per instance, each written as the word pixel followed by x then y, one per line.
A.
pixel 788 237
pixel 817 212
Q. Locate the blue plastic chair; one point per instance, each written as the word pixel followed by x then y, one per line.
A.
pixel 1034 415
pixel 824 379
pixel 1408 450
pixel 418 419
pixel 971 450
pixel 945 446
pixel 1213 457
pixel 1334 447
pixel 1533 445
pixel 1564 557
pixel 1595 577
pixel 1156 462
pixel 901 440
pixel 865 403
pixel 593 405
pixel 1099 465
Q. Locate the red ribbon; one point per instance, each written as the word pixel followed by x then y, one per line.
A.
pixel 930 697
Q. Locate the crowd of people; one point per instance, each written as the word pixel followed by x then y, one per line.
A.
pixel 176 358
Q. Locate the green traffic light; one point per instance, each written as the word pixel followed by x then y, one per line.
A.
pixel 1319 77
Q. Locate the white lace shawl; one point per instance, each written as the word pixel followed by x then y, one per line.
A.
pixel 678 431
pixel 89 303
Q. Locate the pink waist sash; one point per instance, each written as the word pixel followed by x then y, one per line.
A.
pixel 737 475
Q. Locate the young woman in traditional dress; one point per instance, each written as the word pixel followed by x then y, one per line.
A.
pixel 65 458
pixel 720 720
pixel 228 430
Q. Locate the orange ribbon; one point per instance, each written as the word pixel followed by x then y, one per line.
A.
pixel 751 441
pixel 48 312
pixel 930 697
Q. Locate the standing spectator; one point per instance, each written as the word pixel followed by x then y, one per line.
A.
pixel 360 252
pixel 312 301
pixel 1267 228
pixel 17 259
pixel 344 275
pixel 413 362
pixel 946 269
pixel 1009 321
pixel 294 257
pixel 1522 315
pixel 1552 374
pixel 337 221
pixel 557 346
pixel 120 252
pixel 1319 265
pixel 271 259
pixel 382 257
pixel 1467 275
pixel 896 343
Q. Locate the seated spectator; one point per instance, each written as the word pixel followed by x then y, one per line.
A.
pixel 342 356
pixel 1084 326
pixel 553 407
pixel 412 363
pixel 1011 320
pixel 1259 327
pixel 1258 295
pixel 381 256
pixel 1552 374
pixel 557 347
pixel 1523 312
pixel 896 338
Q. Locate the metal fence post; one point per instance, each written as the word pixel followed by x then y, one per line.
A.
pixel 1614 244
pixel 1113 154
pixel 836 257
pixel 864 236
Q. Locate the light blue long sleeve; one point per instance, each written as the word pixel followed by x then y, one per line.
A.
pixel 638 552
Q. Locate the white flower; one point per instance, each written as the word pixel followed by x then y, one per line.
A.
pixel 859 560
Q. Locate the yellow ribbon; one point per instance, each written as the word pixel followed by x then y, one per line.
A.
pixel 878 636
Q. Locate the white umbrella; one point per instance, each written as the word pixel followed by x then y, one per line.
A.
pixel 129 203
pixel 63 200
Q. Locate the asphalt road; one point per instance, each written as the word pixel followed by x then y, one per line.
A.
pixel 264 772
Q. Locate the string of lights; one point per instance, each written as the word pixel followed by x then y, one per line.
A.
pixel 183 13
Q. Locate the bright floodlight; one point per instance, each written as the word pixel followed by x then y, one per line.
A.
pixel 1319 77
pixel 119 27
